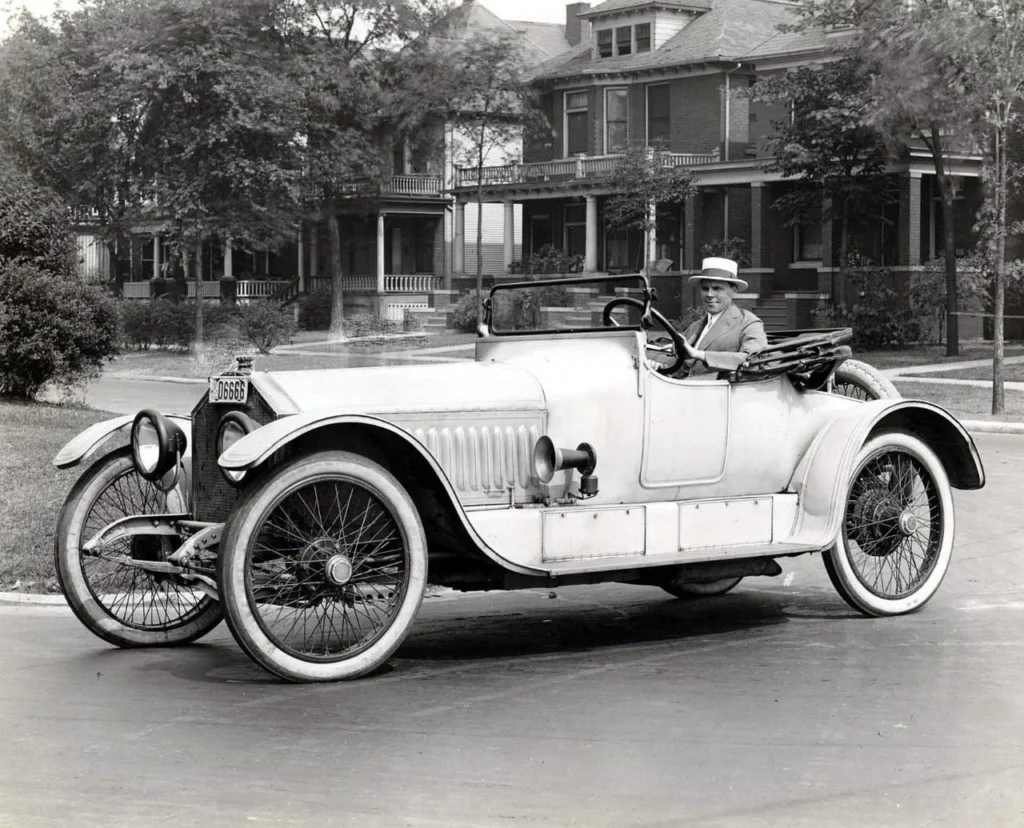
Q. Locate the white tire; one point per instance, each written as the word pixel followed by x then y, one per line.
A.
pixel 323 567
pixel 896 538
pixel 861 382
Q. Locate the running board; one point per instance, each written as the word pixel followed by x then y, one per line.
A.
pixel 720 553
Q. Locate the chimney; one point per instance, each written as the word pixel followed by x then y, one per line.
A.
pixel 576 31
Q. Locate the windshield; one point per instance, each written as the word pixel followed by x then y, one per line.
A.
pixel 554 305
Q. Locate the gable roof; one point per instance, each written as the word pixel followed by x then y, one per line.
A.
pixel 731 30
pixel 540 41
pixel 610 6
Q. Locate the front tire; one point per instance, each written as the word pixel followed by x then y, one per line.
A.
pixel 897 533
pixel 323 567
pixel 124 604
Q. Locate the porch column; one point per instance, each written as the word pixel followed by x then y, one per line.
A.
pixel 652 236
pixel 590 265
pixel 756 224
pixel 396 250
pixel 510 234
pixel 156 257
pixel 459 240
pixel 910 219
pixel 828 279
pixel 301 255
pixel 229 267
pixel 380 254
pixel 692 232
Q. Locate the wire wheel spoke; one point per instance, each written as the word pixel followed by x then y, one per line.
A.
pixel 327 570
pixel 894 523
pixel 128 593
pixel 853 390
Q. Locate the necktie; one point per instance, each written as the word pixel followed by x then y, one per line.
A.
pixel 703 332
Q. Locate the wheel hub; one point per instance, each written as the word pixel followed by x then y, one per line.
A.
pixel 878 524
pixel 327 558
pixel 338 570
pixel 908 524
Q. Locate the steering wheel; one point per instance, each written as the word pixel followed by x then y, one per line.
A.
pixel 649 314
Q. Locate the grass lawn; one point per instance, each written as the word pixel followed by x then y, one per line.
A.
pixel 1011 373
pixel 32 490
pixel 966 402
pixel 931 354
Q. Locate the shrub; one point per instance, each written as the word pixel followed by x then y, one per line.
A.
pixel 266 324
pixel 52 330
pixel 315 312
pixel 34 226
pixel 462 316
pixel 548 260
pixel 734 248
pixel 173 325
pixel 928 293
pixel 880 315
pixel 366 324
pixel 136 325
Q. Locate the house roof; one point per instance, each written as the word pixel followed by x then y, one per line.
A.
pixel 541 41
pixel 729 30
pixel 610 6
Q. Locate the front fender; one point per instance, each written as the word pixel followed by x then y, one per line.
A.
pixel 85 443
pixel 256 447
pixel 822 476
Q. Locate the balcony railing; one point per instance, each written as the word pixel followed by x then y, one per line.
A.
pixel 418 283
pixel 395 185
pixel 600 166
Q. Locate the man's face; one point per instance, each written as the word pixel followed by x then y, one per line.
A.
pixel 716 295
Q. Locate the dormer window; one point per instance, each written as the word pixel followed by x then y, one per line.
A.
pixel 624 40
pixel 643 37
pixel 605 44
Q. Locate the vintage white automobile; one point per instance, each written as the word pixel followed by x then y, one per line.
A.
pixel 312 508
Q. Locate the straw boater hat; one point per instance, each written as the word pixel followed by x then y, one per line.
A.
pixel 721 270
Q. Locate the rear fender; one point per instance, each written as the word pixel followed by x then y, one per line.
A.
pixel 88 441
pixel 822 476
pixel 382 442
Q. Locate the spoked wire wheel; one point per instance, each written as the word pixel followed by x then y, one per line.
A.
pixel 323 568
pixel 897 534
pixel 117 600
pixel 861 381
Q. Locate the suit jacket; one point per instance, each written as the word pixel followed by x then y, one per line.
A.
pixel 736 334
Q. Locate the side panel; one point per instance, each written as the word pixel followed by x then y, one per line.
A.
pixel 572 534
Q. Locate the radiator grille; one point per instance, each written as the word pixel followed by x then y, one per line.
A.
pixel 213 497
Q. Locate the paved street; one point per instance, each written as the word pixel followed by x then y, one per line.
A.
pixel 590 706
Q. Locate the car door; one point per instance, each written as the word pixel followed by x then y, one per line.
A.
pixel 686 431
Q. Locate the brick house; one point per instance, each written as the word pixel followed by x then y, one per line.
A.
pixel 671 74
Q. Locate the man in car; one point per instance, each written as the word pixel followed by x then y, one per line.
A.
pixel 726 335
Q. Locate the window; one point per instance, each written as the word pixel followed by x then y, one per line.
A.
pixel 575 230
pixel 807 241
pixel 616 120
pixel 577 118
pixel 398 157
pixel 643 37
pixel 624 40
pixel 604 43
pixel 659 117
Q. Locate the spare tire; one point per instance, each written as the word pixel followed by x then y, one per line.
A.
pixel 861 382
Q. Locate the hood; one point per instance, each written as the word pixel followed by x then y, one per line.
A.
pixel 473 386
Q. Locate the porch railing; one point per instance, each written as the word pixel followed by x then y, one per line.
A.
pixel 211 290
pixel 419 283
pixel 600 166
pixel 137 290
pixel 410 185
pixel 253 288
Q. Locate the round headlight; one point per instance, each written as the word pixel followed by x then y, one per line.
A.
pixel 157 443
pixel 233 427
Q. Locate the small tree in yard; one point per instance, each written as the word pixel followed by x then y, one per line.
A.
pixel 827 145
pixel 492 113
pixel 642 185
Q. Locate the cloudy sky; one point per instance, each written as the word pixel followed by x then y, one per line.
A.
pixel 550 11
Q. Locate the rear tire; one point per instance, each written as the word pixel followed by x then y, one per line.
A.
pixel 861 381
pixel 121 603
pixel 323 567
pixel 896 540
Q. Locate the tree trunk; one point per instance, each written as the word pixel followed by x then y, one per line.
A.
pixel 844 245
pixel 480 230
pixel 934 143
pixel 196 257
pixel 999 255
pixel 334 271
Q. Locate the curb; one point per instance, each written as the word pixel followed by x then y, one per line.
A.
pixel 992 427
pixel 32 598
pixel 149 378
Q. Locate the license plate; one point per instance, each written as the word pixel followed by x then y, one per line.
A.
pixel 229 390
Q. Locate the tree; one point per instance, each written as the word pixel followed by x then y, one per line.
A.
pixel 355 101
pixel 643 183
pixel 827 144
pixel 492 112
pixel 917 93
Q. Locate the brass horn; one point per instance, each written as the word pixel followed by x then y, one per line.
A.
pixel 548 459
